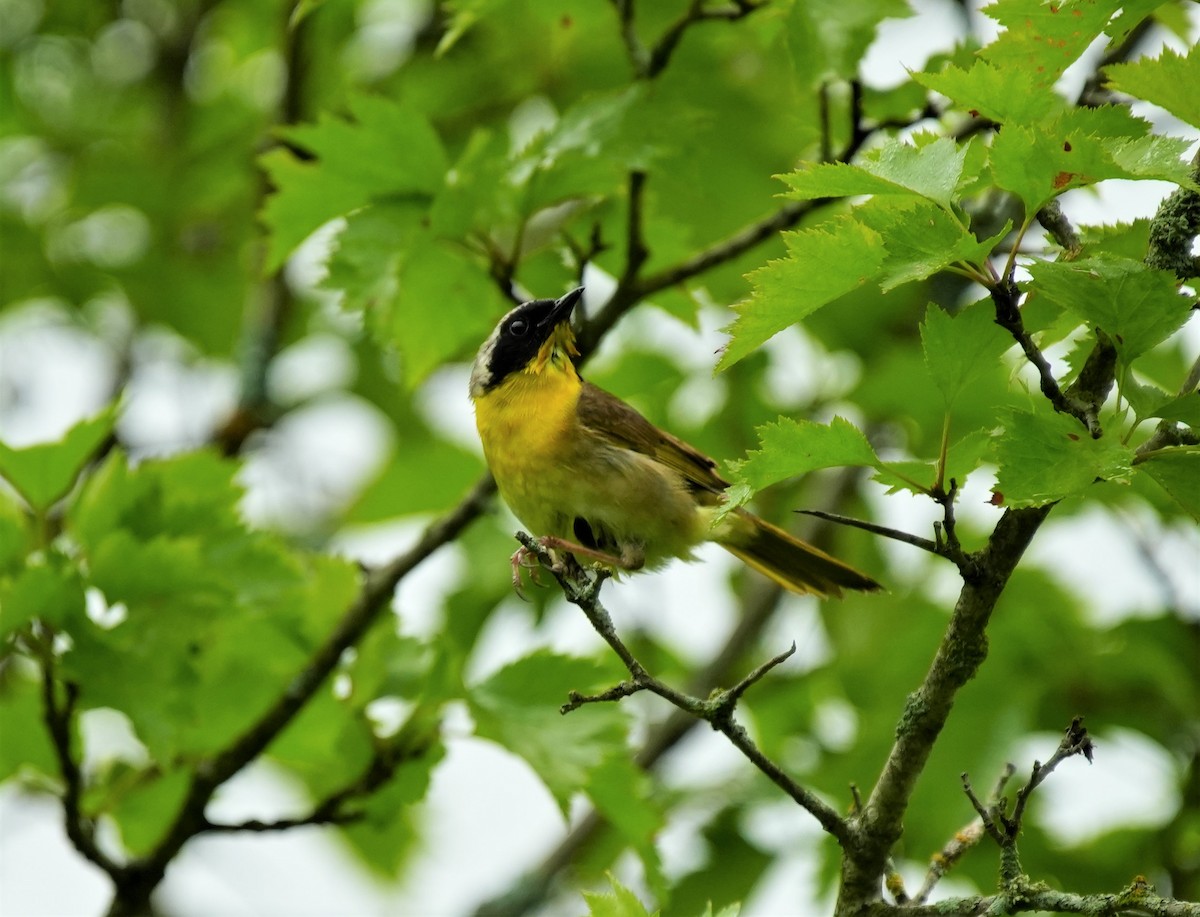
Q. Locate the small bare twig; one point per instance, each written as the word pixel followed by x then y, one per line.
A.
pixel 1075 741
pixel 1004 828
pixel 944 544
pixel 963 840
pixel 582 588
pixel 925 544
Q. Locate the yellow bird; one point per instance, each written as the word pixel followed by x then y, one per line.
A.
pixel 592 477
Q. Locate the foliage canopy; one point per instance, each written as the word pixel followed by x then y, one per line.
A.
pixel 218 187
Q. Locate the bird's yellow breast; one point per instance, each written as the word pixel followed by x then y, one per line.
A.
pixel 528 428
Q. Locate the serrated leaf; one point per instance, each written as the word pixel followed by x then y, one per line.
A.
pixel 922 239
pixel 1137 306
pixel 1045 36
pixel 962 458
pixel 1005 95
pixel 1043 457
pixel 1168 81
pixel 447 303
pixel 620 903
pixel 932 169
pixel 1081 147
pixel 789 448
pixel 44 472
pixel 518 708
pixel 959 349
pixel 822 264
pixel 1129 240
pixel 386 151
pixel 1177 471
pixel 364 262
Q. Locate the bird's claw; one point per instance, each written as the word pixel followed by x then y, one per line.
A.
pixel 525 559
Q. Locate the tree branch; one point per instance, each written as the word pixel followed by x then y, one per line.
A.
pixel 958 657
pixel 139 878
pixel 1139 898
pixel 583 589
pixel 530 890
pixel 1006 298
pixel 57 716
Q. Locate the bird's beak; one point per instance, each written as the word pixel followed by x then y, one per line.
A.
pixel 563 307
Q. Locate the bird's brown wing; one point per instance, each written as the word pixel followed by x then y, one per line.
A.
pixel 619 424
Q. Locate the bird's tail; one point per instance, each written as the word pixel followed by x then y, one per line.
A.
pixel 790 562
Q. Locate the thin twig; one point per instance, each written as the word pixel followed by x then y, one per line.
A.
pixel 925 544
pixel 963 840
pixel 1075 741
pixel 58 717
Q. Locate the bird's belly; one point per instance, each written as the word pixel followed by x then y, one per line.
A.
pixel 610 497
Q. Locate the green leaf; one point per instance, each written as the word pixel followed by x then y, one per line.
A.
pixel 922 239
pixel 447 305
pixel 518 708
pixel 1043 457
pixel 931 167
pixel 1129 240
pixel 386 151
pixel 47 590
pixel 1137 306
pixel 785 291
pixel 1162 80
pixel 364 262
pixel 1081 147
pixel 1177 471
pixel 623 794
pixel 788 448
pixel 742 865
pixel 145 811
pixel 1043 37
pixel 16 534
pixel 1151 401
pixel 26 744
pixel 391 493
pixel 828 38
pixel 387 836
pixel 43 473
pixel 959 350
pixel 962 457
pixel 621 903
pixel 1004 95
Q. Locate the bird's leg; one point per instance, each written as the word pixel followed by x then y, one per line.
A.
pixel 632 556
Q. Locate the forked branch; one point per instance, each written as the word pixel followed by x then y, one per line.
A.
pixel 582 588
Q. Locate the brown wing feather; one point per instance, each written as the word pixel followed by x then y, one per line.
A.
pixel 614 420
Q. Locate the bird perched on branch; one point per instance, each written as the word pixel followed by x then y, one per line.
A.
pixel 593 478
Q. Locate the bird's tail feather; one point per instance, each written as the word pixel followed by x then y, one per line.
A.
pixel 790 562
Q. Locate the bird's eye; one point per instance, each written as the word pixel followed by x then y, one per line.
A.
pixel 518 327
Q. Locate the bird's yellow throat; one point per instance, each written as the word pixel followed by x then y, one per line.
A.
pixel 529 415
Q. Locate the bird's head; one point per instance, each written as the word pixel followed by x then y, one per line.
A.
pixel 527 339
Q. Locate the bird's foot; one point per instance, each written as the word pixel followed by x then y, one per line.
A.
pixel 525 559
